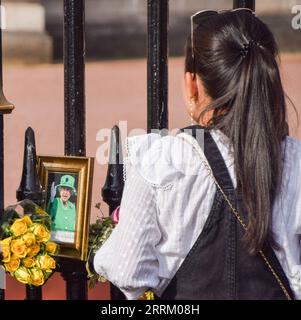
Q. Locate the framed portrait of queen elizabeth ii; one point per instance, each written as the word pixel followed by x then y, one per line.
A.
pixel 67 182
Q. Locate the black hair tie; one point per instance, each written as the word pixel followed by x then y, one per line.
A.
pixel 246 47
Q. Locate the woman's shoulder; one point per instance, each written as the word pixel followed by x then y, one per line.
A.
pixel 160 159
pixel 291 146
pixel 291 156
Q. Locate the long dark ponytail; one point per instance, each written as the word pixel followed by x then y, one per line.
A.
pixel 235 58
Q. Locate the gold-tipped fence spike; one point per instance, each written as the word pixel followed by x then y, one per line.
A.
pixel 5 106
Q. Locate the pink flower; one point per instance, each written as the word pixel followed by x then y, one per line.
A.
pixel 115 215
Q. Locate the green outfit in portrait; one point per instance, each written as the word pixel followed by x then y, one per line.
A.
pixel 63 217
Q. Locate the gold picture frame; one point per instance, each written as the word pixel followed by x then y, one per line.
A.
pixel 74 174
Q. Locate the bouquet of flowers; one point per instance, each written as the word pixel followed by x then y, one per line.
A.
pixel 99 232
pixel 27 252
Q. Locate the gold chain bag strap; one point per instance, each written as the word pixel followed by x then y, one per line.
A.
pixel 245 228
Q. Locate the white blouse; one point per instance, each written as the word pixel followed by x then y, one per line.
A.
pixel 167 198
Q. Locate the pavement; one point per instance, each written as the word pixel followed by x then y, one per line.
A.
pixel 115 91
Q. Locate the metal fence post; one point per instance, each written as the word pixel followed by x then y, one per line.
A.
pixel 244 4
pixel 5 107
pixel 73 271
pixel 113 187
pixel 74 77
pixel 30 188
pixel 157 70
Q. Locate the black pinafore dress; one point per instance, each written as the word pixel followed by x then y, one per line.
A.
pixel 219 267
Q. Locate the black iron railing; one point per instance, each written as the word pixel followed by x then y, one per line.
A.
pixel 30 188
pixel 157 62
pixel 5 108
pixel 74 77
pixel 73 271
pixel 244 4
pixel 113 187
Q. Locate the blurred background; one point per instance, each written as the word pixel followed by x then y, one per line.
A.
pixel 116 81
pixel 117 28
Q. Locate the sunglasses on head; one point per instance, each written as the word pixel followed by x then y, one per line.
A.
pixel 203 15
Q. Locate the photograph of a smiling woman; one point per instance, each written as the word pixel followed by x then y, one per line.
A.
pixel 62 207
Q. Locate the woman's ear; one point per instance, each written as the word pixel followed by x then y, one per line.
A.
pixel 190 86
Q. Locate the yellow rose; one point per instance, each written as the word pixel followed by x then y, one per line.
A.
pixel 29 262
pixel 19 248
pixel 29 239
pixel 37 277
pixel 22 275
pixel 48 271
pixel 6 241
pixel 5 253
pixel 27 220
pixel 51 247
pixel 5 245
pixel 33 250
pixel 46 262
pixel 12 265
pixel 41 232
pixel 19 227
pixel 40 212
pixel 149 295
